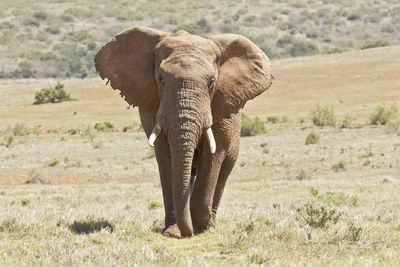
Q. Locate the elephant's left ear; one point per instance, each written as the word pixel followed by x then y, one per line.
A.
pixel 244 73
pixel 127 60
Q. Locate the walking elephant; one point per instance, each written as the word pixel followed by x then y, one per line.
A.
pixel 190 91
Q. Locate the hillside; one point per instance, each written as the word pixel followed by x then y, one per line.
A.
pixel 58 38
pixel 353 82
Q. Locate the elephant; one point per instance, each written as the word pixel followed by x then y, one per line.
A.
pixel 190 91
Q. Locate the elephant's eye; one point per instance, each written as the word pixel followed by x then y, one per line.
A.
pixel 161 80
pixel 211 82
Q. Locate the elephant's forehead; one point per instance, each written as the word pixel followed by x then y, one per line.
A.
pixel 185 43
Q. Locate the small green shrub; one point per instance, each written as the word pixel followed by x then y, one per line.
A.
pixel 367 155
pixel 340 166
pixel 353 16
pixel 312 138
pixel 264 144
pixel 303 48
pixel 354 232
pixel 154 205
pixel 40 15
pixel 90 226
pixel 338 199
pixel 303 175
pixel 251 127
pixel 387 28
pixel 8 140
pixel 346 122
pixel 314 191
pixel 373 44
pixel 318 215
pixel 52 95
pixel 273 119
pixel 265 151
pixel 104 127
pixel 323 116
pixel 24 202
pixel 53 163
pixel 384 113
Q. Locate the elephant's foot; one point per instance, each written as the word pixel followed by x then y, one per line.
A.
pixel 172 231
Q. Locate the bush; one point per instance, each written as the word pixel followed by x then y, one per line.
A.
pixel 200 27
pixel 52 95
pixel 384 113
pixel 373 44
pixel 273 119
pixel 323 116
pixel 353 16
pixel 152 205
pixel 53 163
pixel 312 138
pixel 104 127
pixel 387 28
pixel 346 122
pixel 340 166
pixel 303 48
pixel 251 127
pixel 318 215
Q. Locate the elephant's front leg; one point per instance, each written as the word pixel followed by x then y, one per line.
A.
pixel 202 197
pixel 164 167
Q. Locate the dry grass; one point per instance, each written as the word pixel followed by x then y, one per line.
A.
pixel 99 205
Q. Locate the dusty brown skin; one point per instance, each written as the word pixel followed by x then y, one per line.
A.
pixel 187 84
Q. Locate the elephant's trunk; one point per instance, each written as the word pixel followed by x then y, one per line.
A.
pixel 183 143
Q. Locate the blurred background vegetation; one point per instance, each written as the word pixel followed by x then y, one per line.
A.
pixel 58 38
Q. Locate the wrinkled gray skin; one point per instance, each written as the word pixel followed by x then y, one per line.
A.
pixel 187 84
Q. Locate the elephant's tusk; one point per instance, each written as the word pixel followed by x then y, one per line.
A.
pixel 211 140
pixel 153 136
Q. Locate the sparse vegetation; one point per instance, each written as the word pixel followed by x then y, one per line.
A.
pixel 104 127
pixel 373 44
pixel 62 45
pixel 312 138
pixel 273 119
pixel 318 215
pixel 323 116
pixel 340 166
pixel 55 94
pixel 90 226
pixel 384 113
pixel 251 127
pixel 154 205
pixel 53 163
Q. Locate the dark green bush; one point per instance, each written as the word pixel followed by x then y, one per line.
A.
pixel 200 27
pixel 312 138
pixel 104 127
pixel 303 48
pixel 285 41
pixel 353 16
pixel 373 44
pixel 340 166
pixel 251 127
pixel 40 15
pixel 52 95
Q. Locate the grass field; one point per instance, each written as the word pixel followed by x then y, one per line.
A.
pixel 70 195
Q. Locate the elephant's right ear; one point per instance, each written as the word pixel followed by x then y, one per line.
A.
pixel 127 60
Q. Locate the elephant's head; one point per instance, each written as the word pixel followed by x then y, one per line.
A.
pixel 189 83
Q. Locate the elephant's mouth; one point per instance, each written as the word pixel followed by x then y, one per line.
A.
pixel 208 134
